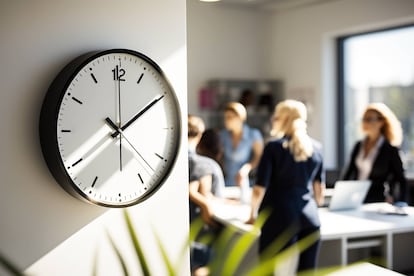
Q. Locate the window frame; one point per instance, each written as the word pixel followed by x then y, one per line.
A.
pixel 340 72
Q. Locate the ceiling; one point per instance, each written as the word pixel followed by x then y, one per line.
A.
pixel 273 4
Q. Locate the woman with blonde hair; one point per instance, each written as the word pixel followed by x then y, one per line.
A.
pixel 289 183
pixel 376 157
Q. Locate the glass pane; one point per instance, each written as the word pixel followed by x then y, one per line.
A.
pixel 379 67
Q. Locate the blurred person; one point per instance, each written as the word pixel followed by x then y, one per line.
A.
pixel 289 184
pixel 202 178
pixel 377 156
pixel 242 145
pixel 210 146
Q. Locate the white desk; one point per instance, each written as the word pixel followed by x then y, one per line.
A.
pixel 364 269
pixel 346 231
pixel 364 228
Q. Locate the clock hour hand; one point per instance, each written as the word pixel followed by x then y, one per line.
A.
pixel 139 114
pixel 119 130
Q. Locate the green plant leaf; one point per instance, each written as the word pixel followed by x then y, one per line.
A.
pixel 195 228
pixel 138 249
pixel 221 250
pixel 277 244
pixel 268 262
pixel 230 248
pixel 243 244
pixel 166 259
pixel 238 252
pixel 184 250
pixel 118 254
pixel 95 263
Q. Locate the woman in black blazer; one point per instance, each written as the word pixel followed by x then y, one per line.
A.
pixel 377 156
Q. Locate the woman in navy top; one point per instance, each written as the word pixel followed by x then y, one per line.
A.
pixel 289 183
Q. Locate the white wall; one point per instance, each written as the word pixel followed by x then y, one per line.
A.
pixel 304 54
pixel 43 229
pixel 224 42
pixel 294 45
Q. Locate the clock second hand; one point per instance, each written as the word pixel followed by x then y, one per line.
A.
pixel 119 118
pixel 117 129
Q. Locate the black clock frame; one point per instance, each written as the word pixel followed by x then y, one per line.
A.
pixel 48 125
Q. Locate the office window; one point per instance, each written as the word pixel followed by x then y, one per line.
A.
pixel 376 67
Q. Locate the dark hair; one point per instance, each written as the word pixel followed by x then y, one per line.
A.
pixel 247 97
pixel 210 144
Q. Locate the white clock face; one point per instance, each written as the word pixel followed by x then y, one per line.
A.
pixel 118 129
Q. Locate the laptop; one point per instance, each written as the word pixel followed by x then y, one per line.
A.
pixel 348 194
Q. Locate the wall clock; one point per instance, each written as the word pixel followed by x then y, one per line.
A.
pixel 110 127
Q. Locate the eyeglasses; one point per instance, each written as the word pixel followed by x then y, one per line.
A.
pixel 371 119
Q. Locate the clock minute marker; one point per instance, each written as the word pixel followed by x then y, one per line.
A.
pixel 94 181
pixel 140 178
pixel 66 130
pixel 77 100
pixel 77 162
pixel 160 157
pixel 140 78
pixel 93 76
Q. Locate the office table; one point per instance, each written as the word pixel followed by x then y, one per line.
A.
pixel 345 232
pixel 370 226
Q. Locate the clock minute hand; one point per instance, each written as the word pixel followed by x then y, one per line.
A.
pixel 139 114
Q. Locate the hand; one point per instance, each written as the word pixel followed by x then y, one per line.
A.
pixel 117 129
pixel 145 109
pixel 242 174
pixel 251 220
pixel 389 199
pixel 238 179
pixel 207 216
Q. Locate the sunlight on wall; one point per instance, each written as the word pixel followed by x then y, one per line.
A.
pixel 177 75
pixel 83 246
